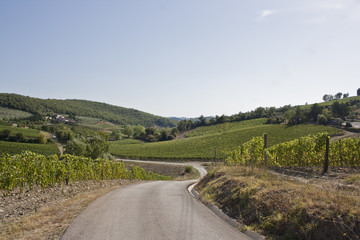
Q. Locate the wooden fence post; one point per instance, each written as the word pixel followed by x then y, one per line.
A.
pixel 326 162
pixel 265 147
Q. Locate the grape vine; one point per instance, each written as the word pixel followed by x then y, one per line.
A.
pixel 29 169
pixel 306 151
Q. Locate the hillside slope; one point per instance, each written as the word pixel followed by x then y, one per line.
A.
pixel 111 113
pixel 201 143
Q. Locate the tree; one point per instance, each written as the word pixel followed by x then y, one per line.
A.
pixel 259 112
pixel 139 131
pixel 96 146
pixel 76 147
pixel 328 97
pixel 321 119
pixel 19 137
pixel 315 110
pixel 64 135
pixel 338 95
pixel 346 95
pixel 115 135
pixel 340 109
pixel 174 132
pixel 128 131
pixel 358 92
pixel 221 119
pixel 297 116
pixel 42 138
pixel 163 135
pixel 202 121
pixel 5 133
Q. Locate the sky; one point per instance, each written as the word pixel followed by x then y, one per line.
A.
pixel 181 58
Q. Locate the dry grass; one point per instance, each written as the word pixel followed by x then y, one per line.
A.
pixel 177 172
pixel 282 208
pixel 51 221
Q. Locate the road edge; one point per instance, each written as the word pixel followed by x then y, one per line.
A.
pixel 218 212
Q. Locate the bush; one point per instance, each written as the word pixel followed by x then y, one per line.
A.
pixel 322 119
pixel 189 169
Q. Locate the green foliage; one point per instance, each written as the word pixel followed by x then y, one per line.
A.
pixel 96 146
pixel 139 131
pixel 11 114
pixel 76 146
pixel 340 109
pixel 5 134
pixel 16 148
pixel 29 169
pixel 93 146
pixel 115 135
pixel 28 133
pixel 225 127
pixel 64 135
pixel 306 151
pixel 42 138
pixel 19 137
pixel 84 108
pixel 200 142
pixel 128 131
pixel 322 119
pixel 189 169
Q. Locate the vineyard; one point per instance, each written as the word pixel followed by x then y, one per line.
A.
pixel 13 148
pixel 306 151
pixel 214 141
pixel 29 169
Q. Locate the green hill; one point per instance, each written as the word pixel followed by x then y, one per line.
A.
pixel 111 113
pixel 201 142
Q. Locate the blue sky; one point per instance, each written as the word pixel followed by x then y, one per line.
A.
pixel 181 58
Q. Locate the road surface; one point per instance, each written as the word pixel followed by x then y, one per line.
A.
pixel 153 210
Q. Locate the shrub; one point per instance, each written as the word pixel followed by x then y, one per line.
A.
pixel 189 169
pixel 322 119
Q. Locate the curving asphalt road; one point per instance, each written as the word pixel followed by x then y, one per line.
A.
pixel 153 210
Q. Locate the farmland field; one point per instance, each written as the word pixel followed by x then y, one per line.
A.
pixel 16 148
pixel 10 114
pixel 201 142
pixel 29 133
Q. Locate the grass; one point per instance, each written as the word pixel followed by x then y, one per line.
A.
pixel 128 141
pixel 28 133
pixel 51 221
pixel 97 124
pixel 201 143
pixel 353 179
pixel 16 148
pixel 176 172
pixel 282 208
pixel 225 127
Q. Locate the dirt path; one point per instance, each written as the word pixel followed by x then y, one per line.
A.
pixel 334 180
pixel 181 135
pixel 346 134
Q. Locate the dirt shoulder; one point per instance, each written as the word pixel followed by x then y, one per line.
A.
pixel 46 213
pixel 288 204
pixel 177 172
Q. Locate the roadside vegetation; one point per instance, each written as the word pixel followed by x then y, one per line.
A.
pixel 31 169
pixel 308 151
pixel 282 208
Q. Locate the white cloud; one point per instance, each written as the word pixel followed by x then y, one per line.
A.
pixel 265 13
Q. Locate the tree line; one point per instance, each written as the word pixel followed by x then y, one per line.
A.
pixel 111 113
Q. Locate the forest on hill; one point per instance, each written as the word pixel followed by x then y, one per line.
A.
pixel 111 113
